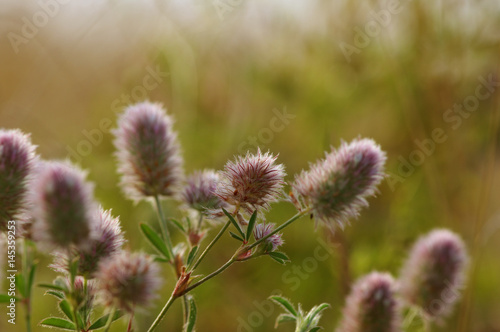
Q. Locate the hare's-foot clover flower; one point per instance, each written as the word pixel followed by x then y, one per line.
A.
pixel 107 241
pixel 128 280
pixel 434 273
pixel 271 243
pixel 252 181
pixel 199 192
pixel 336 188
pixel 17 161
pixel 372 305
pixel 63 207
pixel 148 152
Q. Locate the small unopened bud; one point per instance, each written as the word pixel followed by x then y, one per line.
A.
pixel 199 192
pixel 271 243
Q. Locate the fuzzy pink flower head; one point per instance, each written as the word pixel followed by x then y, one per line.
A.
pixel 434 273
pixel 273 242
pixel 336 188
pixel 107 242
pixel 17 160
pixel 148 152
pixel 63 207
pixel 199 192
pixel 252 181
pixel 128 280
pixel 372 305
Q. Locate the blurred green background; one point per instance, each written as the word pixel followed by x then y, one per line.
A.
pixel 293 77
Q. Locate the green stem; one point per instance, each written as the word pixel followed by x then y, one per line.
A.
pixel 285 224
pixel 110 319
pixel 27 286
pixel 162 313
pixel 164 227
pixel 207 249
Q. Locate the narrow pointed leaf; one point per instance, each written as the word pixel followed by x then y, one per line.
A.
pixel 160 259
pixel 251 225
pixel 155 240
pixel 315 329
pixel 318 309
pixel 284 318
pixel 4 298
pixel 59 323
pixel 66 309
pixel 192 255
pixel 20 284
pixel 285 303
pixel 235 236
pixel 31 278
pixel 192 316
pixel 279 260
pixel 53 287
pixel 234 222
pixel 280 255
pixel 178 225
pixel 56 294
pixel 101 322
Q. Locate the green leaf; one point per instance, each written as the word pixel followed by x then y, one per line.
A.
pixel 234 222
pixel 58 322
pixel 56 294
pixel 318 309
pixel 20 284
pixel 251 225
pixel 178 225
pixel 279 255
pixel 235 236
pixel 284 318
pixel 189 327
pixel 155 240
pixel 73 268
pixel 315 329
pixel 53 287
pixel 66 309
pixel 192 255
pixel 31 279
pixel 279 260
pixel 160 259
pixel 101 322
pixel 4 298
pixel 285 303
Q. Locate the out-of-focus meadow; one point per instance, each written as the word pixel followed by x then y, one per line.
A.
pixel 292 77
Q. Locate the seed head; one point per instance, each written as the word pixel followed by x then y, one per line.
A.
pixel 251 181
pixel 107 242
pixel 336 188
pixel 271 243
pixel 128 280
pixel 371 306
pixel 434 273
pixel 17 161
pixel 148 152
pixel 64 211
pixel 199 193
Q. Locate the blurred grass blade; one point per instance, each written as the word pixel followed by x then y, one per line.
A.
pixel 251 225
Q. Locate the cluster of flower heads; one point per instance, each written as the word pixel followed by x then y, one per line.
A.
pixel 431 280
pixel 335 188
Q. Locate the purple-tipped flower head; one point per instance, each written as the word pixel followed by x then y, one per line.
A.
pixel 371 306
pixel 271 243
pixel 148 152
pixel 199 191
pixel 64 211
pixel 336 188
pixel 434 273
pixel 107 242
pixel 128 280
pixel 252 181
pixel 17 160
